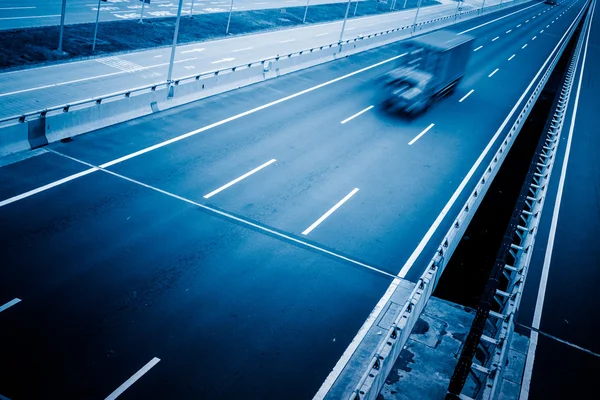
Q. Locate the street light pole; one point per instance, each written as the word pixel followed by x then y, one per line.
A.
pixel 170 74
pixel 482 5
pixel 142 14
pixel 404 3
pixel 416 16
pixel 96 28
pixel 305 12
pixel 344 23
pixel 356 8
pixel 62 25
pixel 192 10
pixel 229 19
pixel 456 13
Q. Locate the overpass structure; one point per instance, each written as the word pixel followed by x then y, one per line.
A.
pixel 250 244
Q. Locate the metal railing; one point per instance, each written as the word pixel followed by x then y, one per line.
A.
pixel 97 100
pixel 485 351
pixel 391 344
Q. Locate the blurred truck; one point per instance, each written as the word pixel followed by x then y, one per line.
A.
pixel 433 67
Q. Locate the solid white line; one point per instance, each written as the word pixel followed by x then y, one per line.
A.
pixel 37 16
pixel 16 8
pixel 498 19
pixel 200 130
pixel 496 38
pixel 356 115
pixel 236 180
pixel 492 74
pixel 244 49
pixel 421 134
pixel 9 304
pixel 511 57
pixel 539 305
pixel 91 77
pixel 331 211
pixel 478 48
pixel 132 380
pixel 525 45
pixel 509 31
pixel 466 95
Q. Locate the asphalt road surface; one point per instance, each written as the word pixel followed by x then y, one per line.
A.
pixel 39 88
pixel 17 14
pixel 239 260
pixel 564 307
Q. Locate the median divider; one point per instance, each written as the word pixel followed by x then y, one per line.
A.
pixel 37 128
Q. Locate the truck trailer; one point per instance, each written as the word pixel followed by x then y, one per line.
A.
pixel 433 67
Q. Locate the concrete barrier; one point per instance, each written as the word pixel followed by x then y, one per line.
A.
pixel 14 138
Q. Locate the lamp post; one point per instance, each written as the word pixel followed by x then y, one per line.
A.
pixel 96 28
pixel 356 8
pixel 192 10
pixel 305 12
pixel 62 25
pixel 142 13
pixel 344 23
pixel 416 16
pixel 170 74
pixel 482 5
pixel 229 19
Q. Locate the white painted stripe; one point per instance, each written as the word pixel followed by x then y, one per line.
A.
pixel 350 29
pixel 547 26
pixel 497 19
pixel 244 49
pixel 158 56
pixel 329 212
pixel 466 95
pixel 511 57
pixel 492 74
pixel 527 21
pixel 16 8
pixel 236 180
pixel 223 60
pixel 533 38
pixel 421 134
pixel 478 48
pixel 356 115
pixel 509 31
pixel 518 26
pixel 288 41
pixel 539 305
pixel 542 31
pixel 36 16
pixel 9 304
pixel 133 379
pixel 193 51
pixel 496 38
pixel 46 187
pixel 322 34
pixel 525 45
pixel 200 130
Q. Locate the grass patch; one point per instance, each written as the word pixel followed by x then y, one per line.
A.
pixel 34 46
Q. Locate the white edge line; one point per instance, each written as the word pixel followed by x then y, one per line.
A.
pixel 539 305
pixel 466 95
pixel 34 16
pixel 329 212
pixel 356 115
pixel 493 73
pixel 498 19
pixel 133 379
pixel 421 134
pixel 195 132
pixel 9 304
pixel 236 180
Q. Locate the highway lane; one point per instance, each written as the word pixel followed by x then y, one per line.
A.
pixel 15 14
pixel 564 266
pixel 101 248
pixel 59 84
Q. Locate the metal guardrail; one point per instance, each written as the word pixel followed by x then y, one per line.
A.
pixel 153 87
pixel 492 330
pixel 391 344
